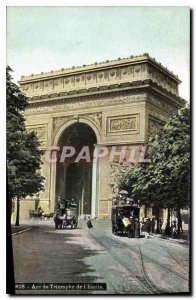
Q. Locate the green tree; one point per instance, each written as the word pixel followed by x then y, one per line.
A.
pixel 165 181
pixel 170 160
pixel 23 154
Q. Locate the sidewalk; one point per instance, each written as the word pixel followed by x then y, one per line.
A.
pixel 182 238
pixel 16 229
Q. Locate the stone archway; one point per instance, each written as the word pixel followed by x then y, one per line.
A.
pixel 121 100
pixel 72 179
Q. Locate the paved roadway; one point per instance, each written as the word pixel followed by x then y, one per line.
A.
pixel 127 266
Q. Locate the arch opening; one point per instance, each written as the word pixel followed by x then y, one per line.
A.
pixel 76 175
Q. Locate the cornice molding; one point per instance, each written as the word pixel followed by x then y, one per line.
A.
pixel 97 66
pixel 124 88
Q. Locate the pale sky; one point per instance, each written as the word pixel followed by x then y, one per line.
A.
pixel 40 39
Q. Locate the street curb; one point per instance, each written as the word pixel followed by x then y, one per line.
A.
pixel 21 231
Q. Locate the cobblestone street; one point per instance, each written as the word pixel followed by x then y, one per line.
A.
pixel 128 266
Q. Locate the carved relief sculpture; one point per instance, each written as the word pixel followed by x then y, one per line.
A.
pixel 123 124
pixel 39 131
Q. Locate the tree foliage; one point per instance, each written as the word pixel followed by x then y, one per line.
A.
pixel 165 181
pixel 23 154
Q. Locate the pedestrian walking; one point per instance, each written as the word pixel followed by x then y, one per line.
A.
pixel 174 230
pixel 62 207
pixel 89 223
pixel 153 225
pixel 132 227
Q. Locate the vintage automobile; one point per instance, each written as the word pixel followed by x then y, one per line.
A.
pixel 68 218
pixel 125 220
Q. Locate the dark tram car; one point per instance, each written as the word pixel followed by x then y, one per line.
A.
pixel 125 220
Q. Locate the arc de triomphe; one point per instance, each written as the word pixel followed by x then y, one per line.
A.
pixel 114 103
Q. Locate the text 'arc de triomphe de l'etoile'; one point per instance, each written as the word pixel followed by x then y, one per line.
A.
pixel 114 103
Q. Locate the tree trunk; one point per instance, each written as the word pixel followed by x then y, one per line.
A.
pixel 179 227
pixel 158 220
pixel 145 211
pixel 168 225
pixel 9 207
pixel 17 212
pixel 168 216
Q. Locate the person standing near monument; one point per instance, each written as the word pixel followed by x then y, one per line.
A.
pixel 122 197
pixel 62 207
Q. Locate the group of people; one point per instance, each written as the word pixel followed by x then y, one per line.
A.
pixel 122 199
pixel 134 227
pixel 154 225
pixel 62 204
pixel 151 225
pixel 147 225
